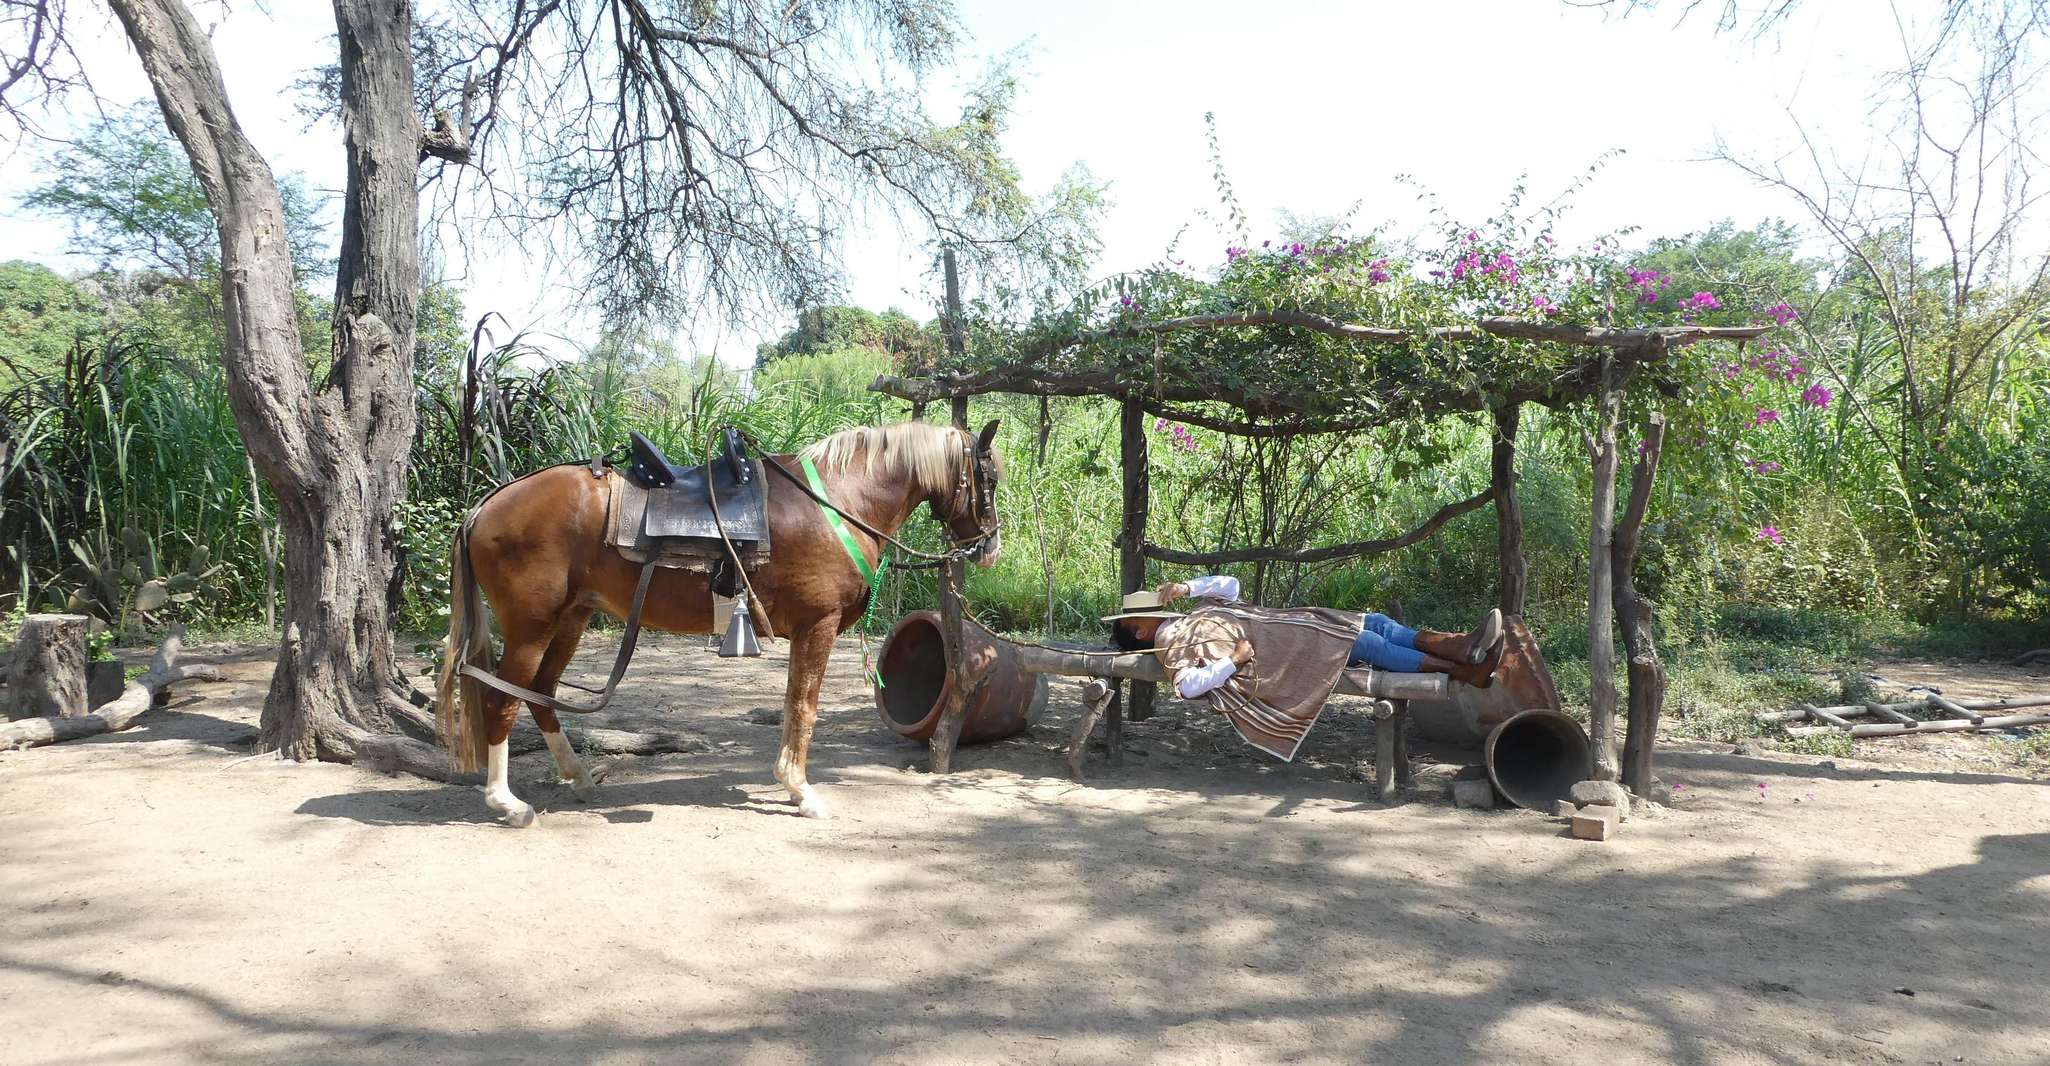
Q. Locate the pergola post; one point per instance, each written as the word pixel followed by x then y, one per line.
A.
pixel 954 572
pixel 1511 586
pixel 1601 639
pixel 1132 452
pixel 1647 674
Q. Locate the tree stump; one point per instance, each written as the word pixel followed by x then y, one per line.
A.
pixel 46 672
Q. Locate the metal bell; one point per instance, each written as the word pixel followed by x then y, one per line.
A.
pixel 740 633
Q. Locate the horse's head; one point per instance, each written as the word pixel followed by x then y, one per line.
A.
pixel 970 511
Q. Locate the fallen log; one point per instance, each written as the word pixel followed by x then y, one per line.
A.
pixel 1894 710
pixel 392 753
pixel 136 697
pixel 1940 725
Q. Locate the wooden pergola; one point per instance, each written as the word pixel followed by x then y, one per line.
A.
pixel 1612 357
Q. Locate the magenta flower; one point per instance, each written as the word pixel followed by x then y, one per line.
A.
pixel 1781 313
pixel 1649 283
pixel 1701 301
pixel 1231 254
pixel 1437 273
pixel 1504 266
pixel 1472 236
pixel 1296 249
pixel 1543 306
pixel 1377 272
pixel 1817 396
pixel 1771 535
pixel 1764 416
pixel 1160 425
pixel 1466 265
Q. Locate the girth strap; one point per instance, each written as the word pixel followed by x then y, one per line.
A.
pixel 626 654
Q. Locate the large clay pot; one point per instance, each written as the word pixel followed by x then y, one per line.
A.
pixel 1536 757
pixel 913 662
pixel 1522 682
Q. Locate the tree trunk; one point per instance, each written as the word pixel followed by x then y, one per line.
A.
pixel 1511 596
pixel 1601 638
pixel 46 669
pixel 1647 674
pixel 1132 451
pixel 334 456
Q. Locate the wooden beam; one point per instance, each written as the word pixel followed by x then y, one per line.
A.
pixel 1144 666
pixel 1944 725
pixel 1892 710
pixel 1317 555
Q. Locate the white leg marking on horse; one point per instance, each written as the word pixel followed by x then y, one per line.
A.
pixel 566 764
pixel 811 804
pixel 498 795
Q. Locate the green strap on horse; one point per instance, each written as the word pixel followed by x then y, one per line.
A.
pixel 873 575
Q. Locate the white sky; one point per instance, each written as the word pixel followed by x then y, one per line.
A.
pixel 1319 105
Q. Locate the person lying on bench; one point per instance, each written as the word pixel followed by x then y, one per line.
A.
pixel 1205 648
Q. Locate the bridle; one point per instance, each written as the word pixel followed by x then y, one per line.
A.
pixel 977 483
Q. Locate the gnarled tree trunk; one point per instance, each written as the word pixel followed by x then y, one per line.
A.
pixel 334 454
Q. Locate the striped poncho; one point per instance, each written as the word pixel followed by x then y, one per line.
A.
pixel 1298 656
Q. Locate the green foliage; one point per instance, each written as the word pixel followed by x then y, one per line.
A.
pixel 128 191
pixel 43 315
pixel 837 328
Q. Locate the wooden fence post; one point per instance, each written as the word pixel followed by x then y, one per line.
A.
pixel 953 573
pixel 1132 454
pixel 1601 637
pixel 1647 674
pixel 46 672
pixel 1513 583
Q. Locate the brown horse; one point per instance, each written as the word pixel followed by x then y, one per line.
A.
pixel 536 550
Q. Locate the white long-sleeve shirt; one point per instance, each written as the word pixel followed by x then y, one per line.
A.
pixel 1215 586
pixel 1195 681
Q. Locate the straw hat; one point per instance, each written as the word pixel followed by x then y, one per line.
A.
pixel 1142 604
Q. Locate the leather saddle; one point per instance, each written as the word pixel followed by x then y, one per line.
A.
pixel 680 497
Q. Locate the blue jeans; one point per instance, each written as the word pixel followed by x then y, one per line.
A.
pixel 1387 644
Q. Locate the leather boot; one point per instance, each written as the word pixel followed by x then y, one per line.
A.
pixel 1471 647
pixel 1473 656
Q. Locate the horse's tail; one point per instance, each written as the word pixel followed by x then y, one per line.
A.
pixel 459 699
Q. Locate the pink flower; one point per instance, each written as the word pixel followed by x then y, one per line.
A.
pixel 1765 415
pixel 1377 272
pixel 1650 283
pixel 1817 396
pixel 1701 301
pixel 1472 236
pixel 1543 306
pixel 1781 313
pixel 1160 425
pixel 1771 535
pixel 1231 254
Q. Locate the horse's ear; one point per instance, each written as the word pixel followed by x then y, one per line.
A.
pixel 988 437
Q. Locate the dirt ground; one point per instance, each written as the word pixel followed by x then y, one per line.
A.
pixel 165 897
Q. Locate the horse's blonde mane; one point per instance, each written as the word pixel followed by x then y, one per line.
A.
pixel 928 454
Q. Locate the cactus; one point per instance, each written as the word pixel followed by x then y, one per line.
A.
pixel 136 584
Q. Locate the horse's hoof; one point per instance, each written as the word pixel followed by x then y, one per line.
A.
pixel 584 788
pixel 814 807
pixel 520 817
